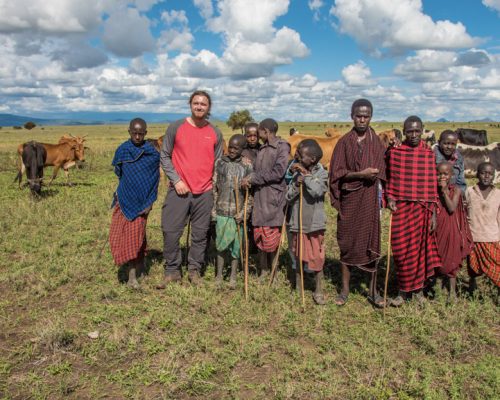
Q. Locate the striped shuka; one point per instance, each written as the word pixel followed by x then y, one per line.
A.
pixel 267 238
pixel 412 182
pixel 358 220
pixel 127 239
pixel 485 259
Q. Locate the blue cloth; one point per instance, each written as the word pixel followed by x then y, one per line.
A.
pixel 138 170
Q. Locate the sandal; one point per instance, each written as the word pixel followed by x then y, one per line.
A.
pixel 397 301
pixel 341 299
pixel 377 301
pixel 319 299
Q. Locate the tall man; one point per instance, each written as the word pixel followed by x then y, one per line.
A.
pixel 190 148
pixel 356 170
pixel 412 197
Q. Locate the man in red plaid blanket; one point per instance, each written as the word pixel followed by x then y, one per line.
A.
pixel 412 197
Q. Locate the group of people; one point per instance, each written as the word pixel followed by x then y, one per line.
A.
pixel 436 221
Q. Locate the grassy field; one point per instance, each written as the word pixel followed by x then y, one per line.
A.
pixel 58 284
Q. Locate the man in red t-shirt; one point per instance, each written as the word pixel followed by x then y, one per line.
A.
pixel 189 151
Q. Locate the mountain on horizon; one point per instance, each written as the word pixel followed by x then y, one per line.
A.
pixel 484 120
pixel 442 120
pixel 91 118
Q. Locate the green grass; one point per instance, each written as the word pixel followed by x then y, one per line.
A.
pixel 185 342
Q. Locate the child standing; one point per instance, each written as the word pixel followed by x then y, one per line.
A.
pixel 137 165
pixel 252 141
pixel 228 169
pixel 314 179
pixel 446 150
pixel 454 240
pixel 483 204
pixel 268 182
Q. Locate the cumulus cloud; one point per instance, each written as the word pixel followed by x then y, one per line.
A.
pixel 473 57
pixel 494 4
pixel 205 7
pixel 357 74
pixel 179 38
pixel 397 26
pixel 127 34
pixel 315 6
pixel 76 54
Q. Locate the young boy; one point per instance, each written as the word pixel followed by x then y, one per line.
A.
pixel 446 150
pixel 314 179
pixel 483 204
pixel 137 165
pixel 228 219
pixel 252 142
pixel 453 237
pixel 268 181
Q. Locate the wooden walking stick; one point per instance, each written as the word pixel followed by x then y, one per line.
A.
pixel 301 246
pixel 277 256
pixel 245 233
pixel 388 262
pixel 236 190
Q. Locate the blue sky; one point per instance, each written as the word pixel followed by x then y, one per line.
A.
pixel 295 60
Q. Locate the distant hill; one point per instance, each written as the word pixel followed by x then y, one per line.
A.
pixel 484 120
pixel 442 120
pixel 92 118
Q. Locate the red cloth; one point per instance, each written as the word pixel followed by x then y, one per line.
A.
pixel 453 236
pixel 193 156
pixel 127 239
pixel 358 220
pixel 267 238
pixel 485 258
pixel 313 249
pixel 411 173
pixel 414 248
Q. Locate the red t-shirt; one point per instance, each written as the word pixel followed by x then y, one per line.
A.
pixel 193 156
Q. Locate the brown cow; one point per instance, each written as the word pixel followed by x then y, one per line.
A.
pixel 327 144
pixel 65 154
pixel 389 136
pixel 332 132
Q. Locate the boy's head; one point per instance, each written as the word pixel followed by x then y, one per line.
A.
pixel 309 153
pixel 251 134
pixel 485 173
pixel 444 172
pixel 267 127
pixel 235 146
pixel 361 114
pixel 137 130
pixel 448 142
pixel 413 129
pixel 292 131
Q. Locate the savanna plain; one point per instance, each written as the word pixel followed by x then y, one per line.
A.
pixel 69 329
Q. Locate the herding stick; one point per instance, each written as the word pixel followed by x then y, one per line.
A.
pixel 388 262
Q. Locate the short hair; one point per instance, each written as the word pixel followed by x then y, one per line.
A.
pixel 313 146
pixel 445 163
pixel 238 138
pixel 447 132
pixel 269 124
pixel 202 93
pixel 483 165
pixel 410 119
pixel 249 125
pixel 138 121
pixel 361 103
pixel 292 131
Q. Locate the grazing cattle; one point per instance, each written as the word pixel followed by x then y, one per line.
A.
pixel 475 155
pixel 429 137
pixel 327 144
pixel 333 132
pixel 157 143
pixel 473 137
pixel 65 154
pixel 33 159
pixel 389 136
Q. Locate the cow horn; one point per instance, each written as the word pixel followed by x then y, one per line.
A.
pixel 71 135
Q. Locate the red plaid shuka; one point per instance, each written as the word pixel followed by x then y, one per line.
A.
pixel 411 173
pixel 412 183
pixel 127 239
pixel 267 238
pixel 485 258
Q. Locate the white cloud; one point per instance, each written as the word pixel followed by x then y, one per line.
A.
pixel 181 38
pixel 357 74
pixel 123 40
pixel 495 4
pixel 315 6
pixel 397 26
pixel 205 7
